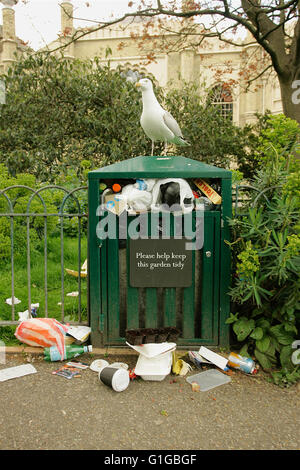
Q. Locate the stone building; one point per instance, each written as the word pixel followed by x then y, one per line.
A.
pixel 217 64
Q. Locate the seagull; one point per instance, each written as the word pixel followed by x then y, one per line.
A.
pixel 157 123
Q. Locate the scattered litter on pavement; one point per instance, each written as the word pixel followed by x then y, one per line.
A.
pixel 118 365
pixel 78 364
pixel 70 351
pixel 80 332
pixel 245 364
pixel 208 379
pixel 213 357
pixel 195 387
pixel 17 371
pixel 196 359
pixel 98 365
pixel 42 332
pixel 68 372
pixel 180 367
pixel 154 361
pixel 116 378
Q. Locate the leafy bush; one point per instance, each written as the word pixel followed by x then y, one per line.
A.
pixel 213 138
pixel 266 247
pixel 60 113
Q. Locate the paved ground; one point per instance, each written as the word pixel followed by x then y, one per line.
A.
pixel 44 411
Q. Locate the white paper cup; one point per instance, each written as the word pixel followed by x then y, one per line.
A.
pixel 117 379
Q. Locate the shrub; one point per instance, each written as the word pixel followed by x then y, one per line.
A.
pixel 265 247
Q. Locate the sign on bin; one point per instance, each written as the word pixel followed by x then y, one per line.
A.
pixel 160 263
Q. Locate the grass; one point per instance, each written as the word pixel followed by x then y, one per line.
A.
pixel 38 284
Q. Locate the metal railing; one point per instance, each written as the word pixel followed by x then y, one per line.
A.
pixel 62 214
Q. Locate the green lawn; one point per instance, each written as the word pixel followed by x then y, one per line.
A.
pixel 38 284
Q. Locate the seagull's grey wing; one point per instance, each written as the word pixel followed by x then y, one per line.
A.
pixel 172 124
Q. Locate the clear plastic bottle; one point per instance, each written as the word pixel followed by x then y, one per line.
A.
pixel 71 350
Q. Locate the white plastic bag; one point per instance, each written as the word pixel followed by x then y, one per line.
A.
pixel 136 199
pixel 185 194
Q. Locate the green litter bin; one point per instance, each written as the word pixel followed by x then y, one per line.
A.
pixel 141 274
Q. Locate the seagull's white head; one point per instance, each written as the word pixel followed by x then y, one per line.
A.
pixel 144 84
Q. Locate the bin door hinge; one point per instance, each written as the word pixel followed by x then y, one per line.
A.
pixel 101 322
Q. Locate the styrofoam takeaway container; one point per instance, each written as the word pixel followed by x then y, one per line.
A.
pixel 154 368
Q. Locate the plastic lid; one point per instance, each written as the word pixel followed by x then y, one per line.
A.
pixel 90 348
pixel 116 187
pixel 120 380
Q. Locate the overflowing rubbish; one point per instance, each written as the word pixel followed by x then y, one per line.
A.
pixel 113 202
pixel 43 332
pixel 208 379
pixel 203 204
pixel 159 195
pixel 214 197
pixel 172 192
pixel 245 364
pixel 71 350
pixel 116 378
pixel 17 371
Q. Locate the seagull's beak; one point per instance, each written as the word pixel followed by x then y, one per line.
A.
pixel 138 84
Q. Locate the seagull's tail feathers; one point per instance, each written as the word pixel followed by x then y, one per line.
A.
pixel 180 141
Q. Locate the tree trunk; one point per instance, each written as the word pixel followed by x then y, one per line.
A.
pixel 290 96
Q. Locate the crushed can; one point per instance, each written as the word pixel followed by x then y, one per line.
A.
pixel 245 364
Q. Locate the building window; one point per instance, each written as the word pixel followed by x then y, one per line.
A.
pixel 220 96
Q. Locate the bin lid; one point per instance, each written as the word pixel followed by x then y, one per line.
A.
pixel 160 167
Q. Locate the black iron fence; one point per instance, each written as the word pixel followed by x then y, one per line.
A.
pixel 35 206
pixel 70 207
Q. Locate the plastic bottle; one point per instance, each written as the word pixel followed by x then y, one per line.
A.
pixel 245 364
pixel 141 185
pixel 71 350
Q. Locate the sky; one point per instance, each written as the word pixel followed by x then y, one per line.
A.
pixel 38 21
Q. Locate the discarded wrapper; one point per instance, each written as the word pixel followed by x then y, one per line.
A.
pixel 208 191
pixel 17 371
pixel 213 357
